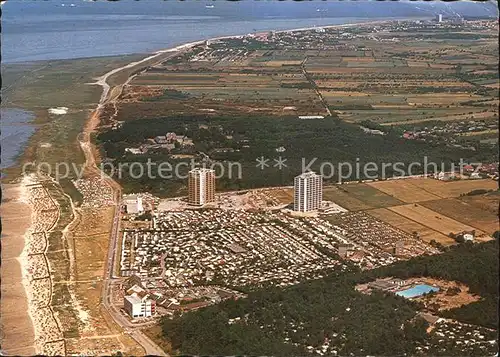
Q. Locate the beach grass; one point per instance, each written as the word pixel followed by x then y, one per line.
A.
pixel 39 86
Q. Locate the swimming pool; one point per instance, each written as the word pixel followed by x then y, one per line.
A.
pixel 417 290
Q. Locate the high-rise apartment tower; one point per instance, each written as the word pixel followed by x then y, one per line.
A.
pixel 308 192
pixel 201 186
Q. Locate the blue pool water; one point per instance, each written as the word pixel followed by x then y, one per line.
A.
pixel 417 290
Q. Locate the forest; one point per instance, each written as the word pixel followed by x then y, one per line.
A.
pixel 328 142
pixel 283 322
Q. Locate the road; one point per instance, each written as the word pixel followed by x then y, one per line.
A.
pixel 314 86
pixel 149 346
pixel 110 95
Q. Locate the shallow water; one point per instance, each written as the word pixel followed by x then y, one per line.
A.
pixel 15 132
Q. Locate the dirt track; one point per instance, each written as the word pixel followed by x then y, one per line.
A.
pixel 113 83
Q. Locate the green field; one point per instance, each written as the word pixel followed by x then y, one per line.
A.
pixel 370 196
pixel 38 86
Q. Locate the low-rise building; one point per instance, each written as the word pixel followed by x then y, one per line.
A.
pixel 137 303
pixel 468 237
pixel 308 117
pixel 160 139
pixel 343 251
pixel 134 204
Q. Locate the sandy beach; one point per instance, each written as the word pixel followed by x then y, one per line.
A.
pixel 28 320
pixel 18 335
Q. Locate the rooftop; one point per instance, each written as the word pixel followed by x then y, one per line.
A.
pixel 309 174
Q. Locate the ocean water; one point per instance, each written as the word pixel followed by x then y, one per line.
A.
pixel 40 30
pixel 54 29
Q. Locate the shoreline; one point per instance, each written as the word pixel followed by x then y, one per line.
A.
pixel 153 52
pixel 90 124
pixel 17 220
pixel 101 80
pixel 45 334
pixel 349 20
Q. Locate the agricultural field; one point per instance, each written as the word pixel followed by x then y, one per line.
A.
pixel 356 197
pixel 488 202
pixel 456 209
pixel 404 190
pixel 344 199
pixel 369 195
pixel 410 226
pixel 431 219
pixel 262 86
pixel 386 73
pixel 408 83
pixel 453 188
pixel 430 208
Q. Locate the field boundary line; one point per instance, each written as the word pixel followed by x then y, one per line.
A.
pixel 425 190
pixel 444 215
pixel 422 224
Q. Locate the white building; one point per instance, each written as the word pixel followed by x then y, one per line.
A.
pixel 308 192
pixel 308 117
pixel 444 176
pixel 138 303
pixel 468 237
pixel 440 18
pixel 134 204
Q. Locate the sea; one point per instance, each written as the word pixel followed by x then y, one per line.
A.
pixel 16 130
pixel 36 30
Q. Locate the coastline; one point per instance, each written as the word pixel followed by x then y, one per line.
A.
pixel 18 333
pixel 22 233
pixel 29 201
pixel 101 80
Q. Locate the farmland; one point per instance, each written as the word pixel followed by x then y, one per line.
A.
pixel 487 202
pixel 388 72
pixel 404 190
pixel 430 208
pixel 406 82
pixel 344 199
pixel 361 194
pixel 433 213
pixel 243 98
pixel 455 188
pixel 459 210
pixel 410 226
pixel 431 219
